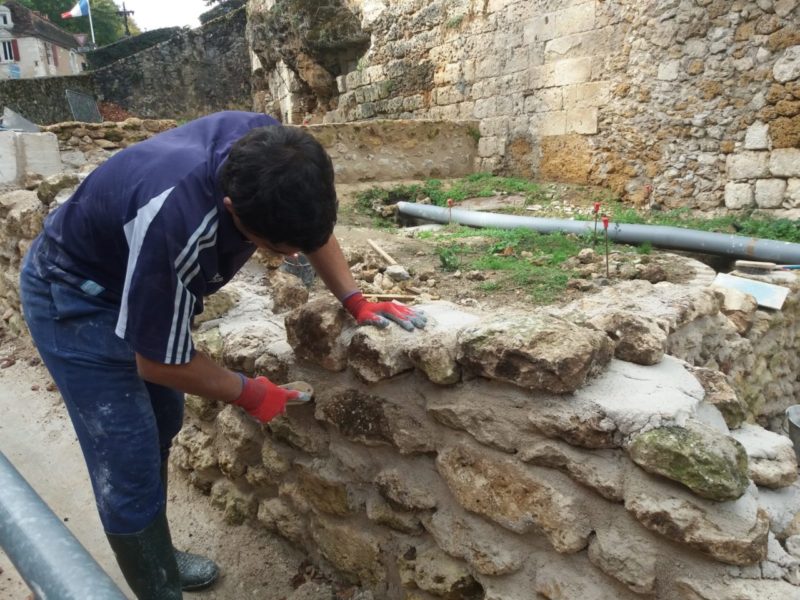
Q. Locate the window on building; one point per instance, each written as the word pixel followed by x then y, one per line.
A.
pixel 6 52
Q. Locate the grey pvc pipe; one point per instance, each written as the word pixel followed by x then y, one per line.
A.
pixel 48 557
pixel 676 238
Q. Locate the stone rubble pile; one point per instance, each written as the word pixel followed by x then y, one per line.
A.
pixel 500 455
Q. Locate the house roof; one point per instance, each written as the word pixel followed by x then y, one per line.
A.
pixel 28 23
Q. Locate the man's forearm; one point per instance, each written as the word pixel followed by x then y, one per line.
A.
pixel 332 268
pixel 200 376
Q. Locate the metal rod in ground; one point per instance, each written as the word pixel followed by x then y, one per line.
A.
pixel 45 553
pixel 608 275
pixel 594 238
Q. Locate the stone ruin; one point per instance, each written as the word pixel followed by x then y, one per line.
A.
pixel 605 449
pixel 625 444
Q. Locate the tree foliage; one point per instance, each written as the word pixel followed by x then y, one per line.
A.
pixel 108 25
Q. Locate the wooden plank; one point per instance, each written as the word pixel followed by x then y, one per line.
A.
pixel 381 252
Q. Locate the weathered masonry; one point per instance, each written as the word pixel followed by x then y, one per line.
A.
pixel 693 103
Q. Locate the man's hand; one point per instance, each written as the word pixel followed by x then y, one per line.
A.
pixel 378 314
pixel 263 400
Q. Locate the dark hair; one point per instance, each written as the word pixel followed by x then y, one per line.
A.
pixel 280 181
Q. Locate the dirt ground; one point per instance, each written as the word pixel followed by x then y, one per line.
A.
pixel 36 435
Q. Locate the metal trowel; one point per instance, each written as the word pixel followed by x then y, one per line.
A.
pixel 306 393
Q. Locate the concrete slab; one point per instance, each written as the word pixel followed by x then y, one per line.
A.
pixel 39 154
pixel 8 157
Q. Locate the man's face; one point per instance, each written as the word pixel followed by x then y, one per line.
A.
pixel 262 243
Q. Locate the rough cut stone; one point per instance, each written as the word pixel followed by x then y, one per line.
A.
pixel 381 512
pixel 770 193
pixel 785 162
pixel 738 195
pixel 601 470
pixel 439 574
pixel 771 458
pixel 350 548
pixel 372 420
pixel 739 307
pixel 51 186
pixel 709 463
pixel 793 194
pixel 629 560
pixel 377 354
pixel 514 496
pixel 237 506
pixel 319 332
pixel 721 394
pixel 406 489
pixel 736 589
pixel 787 66
pixel 637 339
pixel 490 549
pixel 323 489
pixel 239 440
pixel 276 515
pixel 747 165
pixel 735 533
pixel 534 351
pixel 288 291
pixel 757 137
pixel 300 430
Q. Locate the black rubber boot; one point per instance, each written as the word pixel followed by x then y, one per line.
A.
pixel 147 561
pixel 196 572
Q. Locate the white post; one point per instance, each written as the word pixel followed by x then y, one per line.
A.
pixel 91 25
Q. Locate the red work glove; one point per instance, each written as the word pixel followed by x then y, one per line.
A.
pixel 263 400
pixel 379 314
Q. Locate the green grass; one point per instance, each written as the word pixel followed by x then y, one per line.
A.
pixel 745 224
pixel 539 273
pixel 477 185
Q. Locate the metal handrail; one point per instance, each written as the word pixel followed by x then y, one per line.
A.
pixel 48 557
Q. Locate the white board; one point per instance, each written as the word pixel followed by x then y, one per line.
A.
pixel 766 294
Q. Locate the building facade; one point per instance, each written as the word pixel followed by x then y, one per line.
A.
pixel 32 46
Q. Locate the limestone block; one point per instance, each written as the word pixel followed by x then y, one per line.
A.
pixel 23 213
pixel 636 338
pixel 274 459
pixel 38 154
pixel 237 506
pixel 534 351
pixel 497 423
pixel 569 71
pixel 582 120
pixel 51 186
pixel 553 123
pixel 276 515
pixel 239 440
pixel 720 393
pixel 376 354
pixel 583 95
pixel 489 549
pixel 748 165
pixel 736 589
pixel 709 463
pixel 381 512
pixel 793 194
pixel 574 19
pixel 515 496
pixel 785 162
pixel 210 342
pixel 244 350
pixel 545 100
pixel 350 548
pixel 215 305
pixel 784 7
pixel 757 137
pixel 407 488
pixel 203 408
pixel 771 458
pixel 298 428
pixel 373 420
pixel 441 575
pixel 288 291
pixel 199 452
pixel 735 533
pixel 668 71
pixel 600 470
pixel 9 169
pixel 770 193
pixel 319 332
pixel 626 558
pixel 739 307
pixel 738 195
pixel 787 67
pixel 323 488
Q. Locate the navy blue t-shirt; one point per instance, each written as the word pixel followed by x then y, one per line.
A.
pixel 148 230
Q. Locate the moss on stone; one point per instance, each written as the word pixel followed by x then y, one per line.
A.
pixel 712 465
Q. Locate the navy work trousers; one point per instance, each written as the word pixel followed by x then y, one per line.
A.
pixel 124 425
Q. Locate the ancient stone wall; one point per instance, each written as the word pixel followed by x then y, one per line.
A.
pixel 190 75
pixel 552 452
pixel 670 103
